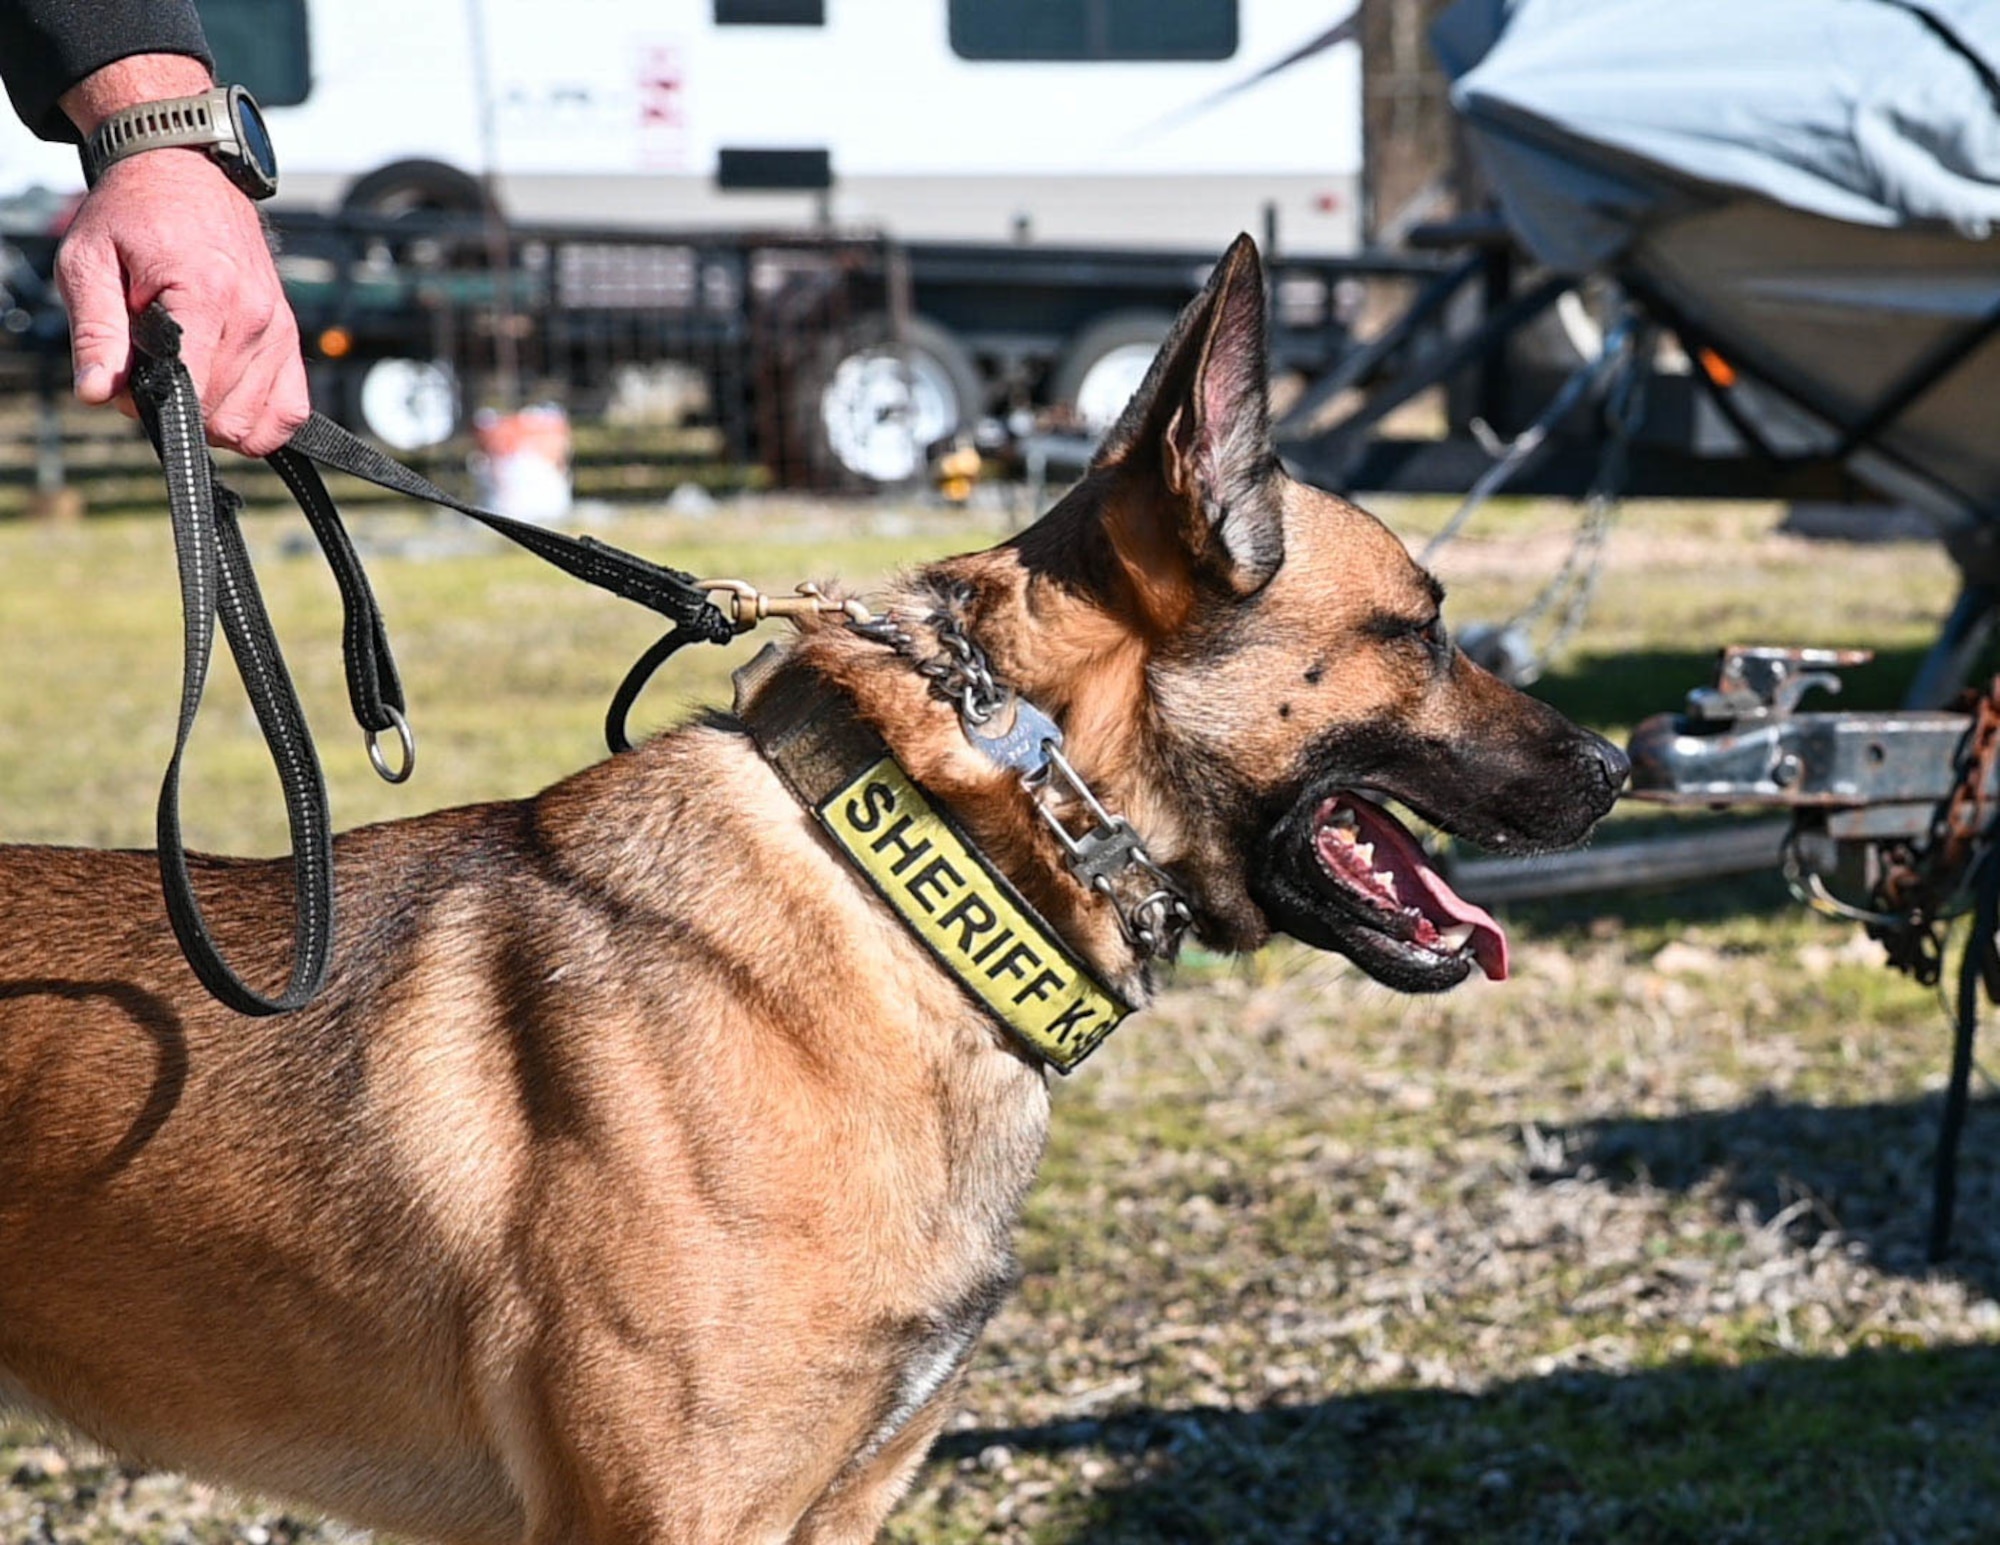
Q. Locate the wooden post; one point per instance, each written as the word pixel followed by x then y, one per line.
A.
pixel 1412 168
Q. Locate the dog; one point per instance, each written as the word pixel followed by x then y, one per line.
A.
pixel 643 1174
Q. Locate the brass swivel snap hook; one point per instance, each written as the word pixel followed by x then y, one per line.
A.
pixel 746 606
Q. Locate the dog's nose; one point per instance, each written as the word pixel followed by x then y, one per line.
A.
pixel 1610 763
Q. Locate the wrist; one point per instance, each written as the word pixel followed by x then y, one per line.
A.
pixel 130 81
pixel 192 167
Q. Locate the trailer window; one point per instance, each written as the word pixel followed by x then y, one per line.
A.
pixel 770 13
pixel 1093 29
pixel 261 44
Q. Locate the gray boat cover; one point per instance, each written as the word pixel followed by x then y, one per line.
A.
pixel 1593 116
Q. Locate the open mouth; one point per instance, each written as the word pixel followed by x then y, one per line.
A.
pixel 1370 862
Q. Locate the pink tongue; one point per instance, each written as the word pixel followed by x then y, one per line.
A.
pixel 1488 942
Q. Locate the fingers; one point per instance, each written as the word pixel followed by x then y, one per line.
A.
pixel 257 384
pixel 168 226
pixel 92 281
pixel 201 322
pixel 244 358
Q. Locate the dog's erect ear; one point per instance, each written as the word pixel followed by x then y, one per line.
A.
pixel 1200 426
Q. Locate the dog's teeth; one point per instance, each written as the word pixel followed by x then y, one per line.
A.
pixel 1365 851
pixel 1456 937
pixel 1387 881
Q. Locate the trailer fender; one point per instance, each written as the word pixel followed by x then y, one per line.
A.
pixel 405 187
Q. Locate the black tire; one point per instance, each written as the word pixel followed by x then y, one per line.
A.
pixel 1109 334
pixel 416 186
pixel 944 366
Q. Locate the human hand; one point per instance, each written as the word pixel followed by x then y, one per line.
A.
pixel 167 225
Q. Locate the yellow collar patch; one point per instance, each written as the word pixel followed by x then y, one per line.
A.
pixel 969 916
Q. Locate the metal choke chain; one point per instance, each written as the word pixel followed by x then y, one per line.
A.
pixel 1155 913
pixel 961 674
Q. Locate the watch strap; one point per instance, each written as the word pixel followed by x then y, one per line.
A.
pixel 199 122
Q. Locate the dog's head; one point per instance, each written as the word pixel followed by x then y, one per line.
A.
pixel 1250 668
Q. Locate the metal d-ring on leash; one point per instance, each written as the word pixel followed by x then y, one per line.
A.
pixel 408 739
pixel 218 584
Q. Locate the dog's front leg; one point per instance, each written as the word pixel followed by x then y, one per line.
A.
pixel 637 1514
pixel 852 1509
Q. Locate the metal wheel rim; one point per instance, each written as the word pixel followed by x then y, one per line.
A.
pixel 1110 382
pixel 881 412
pixel 409 404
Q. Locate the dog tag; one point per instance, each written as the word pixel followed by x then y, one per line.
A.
pixel 1019 745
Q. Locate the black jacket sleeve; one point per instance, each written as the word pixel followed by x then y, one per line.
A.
pixel 47 46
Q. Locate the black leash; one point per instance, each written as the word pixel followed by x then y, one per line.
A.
pixel 217 582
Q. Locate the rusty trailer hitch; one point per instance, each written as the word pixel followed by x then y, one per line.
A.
pixel 1890 804
pixel 1897 806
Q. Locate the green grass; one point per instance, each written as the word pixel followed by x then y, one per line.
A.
pixel 508 664
pixel 1629 1249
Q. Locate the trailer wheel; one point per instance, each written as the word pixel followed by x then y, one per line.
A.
pixel 1105 364
pixel 415 186
pixel 407 404
pixel 877 411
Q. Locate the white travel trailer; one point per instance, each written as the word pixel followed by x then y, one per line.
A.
pixel 1163 123
pixel 1060 172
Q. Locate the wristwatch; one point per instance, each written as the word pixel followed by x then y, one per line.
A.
pixel 225 122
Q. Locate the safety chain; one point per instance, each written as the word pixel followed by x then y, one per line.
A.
pixel 1589 377
pixel 1922 884
pixel 1583 568
pixel 1107 856
pixel 1616 379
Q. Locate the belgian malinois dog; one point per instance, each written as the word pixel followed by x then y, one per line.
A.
pixel 645 1172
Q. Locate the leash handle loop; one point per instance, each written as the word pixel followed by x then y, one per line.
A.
pixel 216 581
pixel 687 602
pixel 374 690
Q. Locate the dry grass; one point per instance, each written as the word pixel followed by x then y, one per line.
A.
pixel 1626 1250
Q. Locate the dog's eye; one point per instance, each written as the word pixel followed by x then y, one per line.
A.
pixel 1431 635
pixel 1437 644
pixel 1430 632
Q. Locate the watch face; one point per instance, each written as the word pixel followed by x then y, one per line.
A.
pixel 252 135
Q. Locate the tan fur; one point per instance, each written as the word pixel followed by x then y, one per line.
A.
pixel 638 1177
